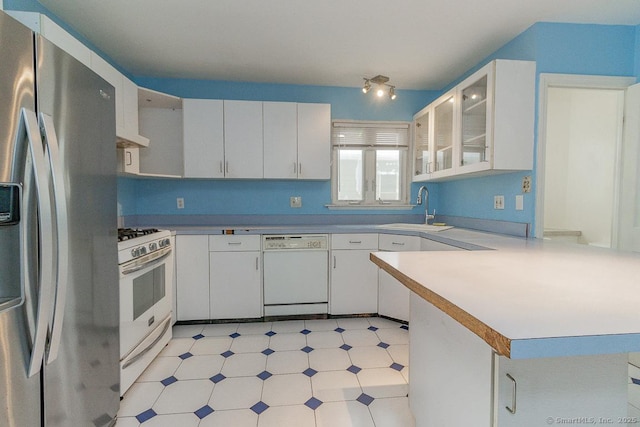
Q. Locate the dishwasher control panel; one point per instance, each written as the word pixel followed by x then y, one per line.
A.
pixel 295 241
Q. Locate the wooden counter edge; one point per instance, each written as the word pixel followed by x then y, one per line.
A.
pixel 500 343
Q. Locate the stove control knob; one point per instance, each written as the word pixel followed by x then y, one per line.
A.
pixel 153 247
pixel 164 242
pixel 143 250
pixel 135 252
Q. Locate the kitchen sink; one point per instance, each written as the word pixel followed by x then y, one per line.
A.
pixel 416 227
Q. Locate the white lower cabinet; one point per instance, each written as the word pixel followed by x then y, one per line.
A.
pixel 393 296
pixel 354 278
pixel 192 277
pixel 456 379
pixel 235 277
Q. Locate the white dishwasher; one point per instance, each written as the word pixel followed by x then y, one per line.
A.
pixel 296 274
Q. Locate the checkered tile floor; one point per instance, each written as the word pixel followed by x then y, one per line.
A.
pixel 315 373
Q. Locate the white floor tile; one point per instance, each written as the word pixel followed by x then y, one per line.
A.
pixel 405 374
pixel 399 353
pixel 288 389
pixel 211 345
pixel 285 326
pixel 335 386
pixel 287 416
pixel 343 414
pixel 173 420
pixel 287 341
pixel 127 422
pixel 258 328
pixel 321 325
pixel 382 323
pixel 324 339
pixel 199 367
pixel 370 357
pixel 329 359
pixel 392 412
pixel 177 346
pixel 161 368
pixel 357 337
pixel 235 418
pixel 186 331
pixel 219 330
pixel 383 382
pixel 393 336
pixel 236 393
pixel 287 362
pixel 184 396
pixel 354 323
pixel 139 398
pixel 244 364
pixel 250 344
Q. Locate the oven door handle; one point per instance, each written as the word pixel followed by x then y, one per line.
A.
pixel 157 257
pixel 147 349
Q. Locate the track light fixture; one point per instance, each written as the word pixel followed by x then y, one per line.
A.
pixel 381 82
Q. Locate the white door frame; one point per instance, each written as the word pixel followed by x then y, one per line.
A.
pixel 549 80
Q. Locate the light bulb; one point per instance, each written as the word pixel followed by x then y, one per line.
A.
pixel 380 92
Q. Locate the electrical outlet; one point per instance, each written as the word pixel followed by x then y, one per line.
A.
pixel 498 202
pixel 295 201
pixel 526 184
pixel 180 202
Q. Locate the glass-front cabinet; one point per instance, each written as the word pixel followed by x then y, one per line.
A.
pixel 443 119
pixel 483 125
pixel 474 122
pixel 422 144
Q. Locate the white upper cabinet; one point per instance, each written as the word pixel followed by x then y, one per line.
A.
pixel 297 140
pixel 280 140
pixel 243 149
pixel 314 141
pixel 203 130
pixel 127 125
pixel 483 125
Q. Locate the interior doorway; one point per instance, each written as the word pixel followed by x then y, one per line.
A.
pixel 579 156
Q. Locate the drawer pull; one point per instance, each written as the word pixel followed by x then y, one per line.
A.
pixel 234 243
pixel 397 243
pixel 355 242
pixel 514 390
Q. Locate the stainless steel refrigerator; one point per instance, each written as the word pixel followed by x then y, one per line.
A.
pixel 59 344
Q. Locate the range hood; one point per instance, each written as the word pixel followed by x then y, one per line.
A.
pixel 126 138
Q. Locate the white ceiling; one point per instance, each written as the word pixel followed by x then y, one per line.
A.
pixel 419 44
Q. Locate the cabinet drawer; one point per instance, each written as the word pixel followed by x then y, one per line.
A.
pixel 354 241
pixel 432 245
pixel 398 243
pixel 234 243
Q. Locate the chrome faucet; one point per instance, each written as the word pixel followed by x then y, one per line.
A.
pixel 427 216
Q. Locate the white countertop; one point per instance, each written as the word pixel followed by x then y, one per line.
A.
pixel 543 298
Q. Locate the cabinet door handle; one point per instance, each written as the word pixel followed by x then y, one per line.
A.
pixel 300 168
pixel 514 391
pixel 221 170
pixel 257 263
pixel 334 261
pixel 226 166
pixel 295 167
pixel 129 157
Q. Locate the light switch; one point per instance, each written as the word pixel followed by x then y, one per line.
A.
pixel 519 202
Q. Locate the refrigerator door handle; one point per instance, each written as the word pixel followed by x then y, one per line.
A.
pixel 28 128
pixel 60 205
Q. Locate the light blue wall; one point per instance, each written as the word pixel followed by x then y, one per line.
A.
pixel 225 197
pixel 556 48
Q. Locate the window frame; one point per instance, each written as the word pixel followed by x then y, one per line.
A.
pixel 369 173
